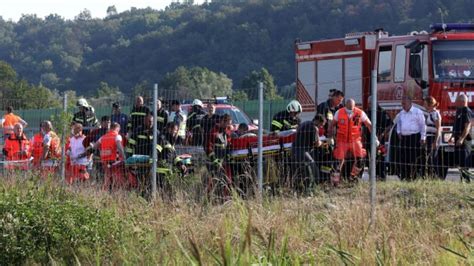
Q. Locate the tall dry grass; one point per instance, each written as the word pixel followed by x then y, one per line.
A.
pixel 426 222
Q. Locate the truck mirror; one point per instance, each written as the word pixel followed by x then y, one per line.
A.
pixel 415 66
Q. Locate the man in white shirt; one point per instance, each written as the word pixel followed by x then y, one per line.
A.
pixel 411 130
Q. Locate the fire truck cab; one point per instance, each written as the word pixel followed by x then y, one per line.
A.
pixel 439 64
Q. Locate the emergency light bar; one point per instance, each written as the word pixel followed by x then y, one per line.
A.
pixel 452 26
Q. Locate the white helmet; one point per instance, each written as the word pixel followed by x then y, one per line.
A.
pixel 294 107
pixel 82 103
pixel 197 102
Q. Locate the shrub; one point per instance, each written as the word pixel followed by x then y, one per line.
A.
pixel 47 224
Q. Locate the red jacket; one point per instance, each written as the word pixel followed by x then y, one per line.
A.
pixel 14 146
pixel 349 129
pixel 108 147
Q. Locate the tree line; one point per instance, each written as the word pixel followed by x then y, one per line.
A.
pixel 227 41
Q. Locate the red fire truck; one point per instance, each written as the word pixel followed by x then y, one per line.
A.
pixel 440 64
pixel 419 64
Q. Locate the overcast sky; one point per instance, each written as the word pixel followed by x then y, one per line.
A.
pixel 13 9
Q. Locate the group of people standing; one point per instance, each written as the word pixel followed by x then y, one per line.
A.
pixel 416 143
pixel 337 126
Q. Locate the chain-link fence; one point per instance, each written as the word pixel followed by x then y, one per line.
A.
pixel 210 146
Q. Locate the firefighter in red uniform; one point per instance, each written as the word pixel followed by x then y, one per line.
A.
pixel 349 122
pixel 216 150
pixel 17 149
pixel 111 156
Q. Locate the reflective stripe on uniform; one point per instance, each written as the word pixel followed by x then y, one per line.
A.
pixel 219 145
pixel 144 137
pixel 163 170
pixel 169 146
pixel 138 114
pixel 277 124
pixel 160 119
pixel 132 141
pixel 286 123
pixel 196 126
pixel 159 148
pixel 129 150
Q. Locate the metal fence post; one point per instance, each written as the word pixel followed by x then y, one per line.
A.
pixel 63 139
pixel 373 147
pixel 260 138
pixel 155 139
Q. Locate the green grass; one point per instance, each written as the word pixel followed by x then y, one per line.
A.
pixel 425 222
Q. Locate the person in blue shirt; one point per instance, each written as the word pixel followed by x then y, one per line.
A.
pixel 119 117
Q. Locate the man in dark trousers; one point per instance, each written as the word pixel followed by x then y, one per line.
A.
pixel 411 130
pixel 307 138
pixel 461 135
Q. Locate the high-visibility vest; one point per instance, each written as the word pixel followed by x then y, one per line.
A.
pixel 55 147
pixel 14 147
pixel 108 147
pixel 9 121
pixel 349 129
pixel 37 148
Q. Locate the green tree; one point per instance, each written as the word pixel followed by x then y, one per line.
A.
pixel 197 82
pixel 251 82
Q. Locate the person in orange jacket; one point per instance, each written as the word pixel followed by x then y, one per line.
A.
pixel 17 149
pixel 46 149
pixel 348 122
pixel 112 156
pixel 9 120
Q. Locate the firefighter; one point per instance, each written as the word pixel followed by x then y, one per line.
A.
pixel 79 160
pixel 217 153
pixel 330 107
pixel 140 142
pixel 161 116
pixel 138 114
pixel 306 140
pixel 9 120
pixel 46 145
pixel 348 122
pixel 17 148
pixel 287 119
pixel 178 117
pixel 86 116
pixel 111 156
pixel 193 123
pixel 167 157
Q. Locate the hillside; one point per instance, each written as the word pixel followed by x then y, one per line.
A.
pixel 233 37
